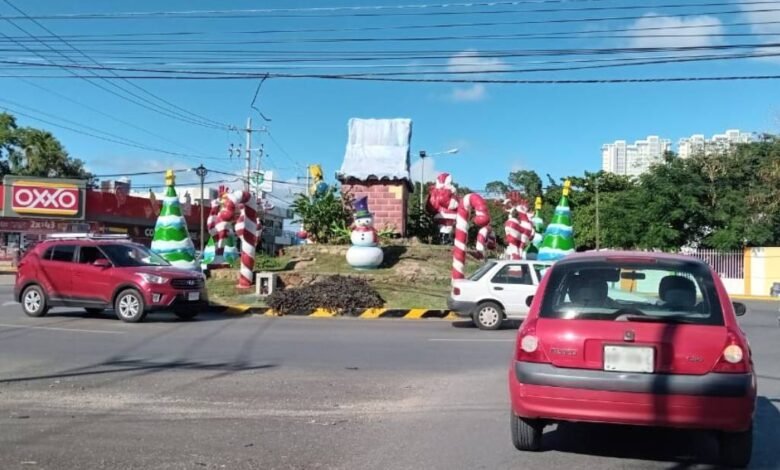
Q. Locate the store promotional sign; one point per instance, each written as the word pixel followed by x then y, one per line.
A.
pixel 29 197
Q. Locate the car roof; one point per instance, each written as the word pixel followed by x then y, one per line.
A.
pixel 607 255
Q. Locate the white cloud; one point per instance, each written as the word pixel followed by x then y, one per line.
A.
pixel 472 65
pixel 695 31
pixel 770 25
pixel 475 92
pixel 423 168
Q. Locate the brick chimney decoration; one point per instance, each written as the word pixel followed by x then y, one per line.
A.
pixel 376 166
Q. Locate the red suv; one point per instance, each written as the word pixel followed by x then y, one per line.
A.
pixel 635 339
pixel 101 272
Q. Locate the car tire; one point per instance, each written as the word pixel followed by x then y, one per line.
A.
pixel 186 314
pixel 94 311
pixel 736 448
pixel 129 306
pixel 488 316
pixel 526 433
pixel 34 302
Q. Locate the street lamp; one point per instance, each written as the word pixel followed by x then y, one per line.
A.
pixel 423 156
pixel 201 171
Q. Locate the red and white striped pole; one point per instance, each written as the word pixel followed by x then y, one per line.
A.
pixel 481 219
pixel 248 239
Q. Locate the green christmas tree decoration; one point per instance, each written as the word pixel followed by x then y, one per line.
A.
pixel 171 238
pixel 559 236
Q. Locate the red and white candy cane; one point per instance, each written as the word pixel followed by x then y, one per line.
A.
pixel 481 220
pixel 211 224
pixel 246 229
pixel 518 228
pixel 486 240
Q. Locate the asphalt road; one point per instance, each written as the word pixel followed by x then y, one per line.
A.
pixel 81 392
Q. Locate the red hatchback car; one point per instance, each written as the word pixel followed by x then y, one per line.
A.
pixel 635 339
pixel 102 272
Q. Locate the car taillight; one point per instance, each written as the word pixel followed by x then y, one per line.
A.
pixel 734 358
pixel 529 348
pixel 455 291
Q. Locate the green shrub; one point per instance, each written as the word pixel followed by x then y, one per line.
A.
pixel 345 295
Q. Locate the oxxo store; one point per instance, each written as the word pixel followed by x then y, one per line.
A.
pixel 35 207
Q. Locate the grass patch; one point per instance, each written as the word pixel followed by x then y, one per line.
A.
pixel 433 297
pixel 224 291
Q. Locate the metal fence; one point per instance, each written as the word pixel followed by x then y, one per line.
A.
pixel 728 264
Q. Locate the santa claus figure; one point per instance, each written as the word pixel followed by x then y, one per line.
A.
pixel 364 252
pixel 443 203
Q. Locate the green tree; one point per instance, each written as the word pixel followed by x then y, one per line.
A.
pixel 527 182
pixel 420 223
pixel 34 152
pixel 324 216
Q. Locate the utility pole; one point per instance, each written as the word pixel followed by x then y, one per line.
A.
pixel 422 179
pixel 201 171
pixel 598 227
pixel 248 153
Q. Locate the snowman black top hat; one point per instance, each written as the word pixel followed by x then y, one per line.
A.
pixel 361 208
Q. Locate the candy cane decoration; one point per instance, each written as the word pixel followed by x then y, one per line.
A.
pixel 443 202
pixel 211 224
pixel 518 228
pixel 246 229
pixel 486 240
pixel 481 219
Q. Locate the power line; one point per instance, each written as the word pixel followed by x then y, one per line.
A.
pixel 86 37
pixel 143 173
pixel 153 107
pixel 205 119
pixel 373 11
pixel 91 131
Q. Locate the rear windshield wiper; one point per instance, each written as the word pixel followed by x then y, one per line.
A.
pixel 659 319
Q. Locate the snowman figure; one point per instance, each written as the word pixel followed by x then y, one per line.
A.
pixel 364 252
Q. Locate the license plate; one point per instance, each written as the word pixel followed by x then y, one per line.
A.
pixel 193 296
pixel 628 359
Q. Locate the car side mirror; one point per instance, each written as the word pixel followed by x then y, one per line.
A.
pixel 102 263
pixel 529 300
pixel 739 308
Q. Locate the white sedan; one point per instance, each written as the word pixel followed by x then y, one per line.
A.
pixel 497 291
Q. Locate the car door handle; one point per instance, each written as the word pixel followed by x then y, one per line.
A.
pixel 498 288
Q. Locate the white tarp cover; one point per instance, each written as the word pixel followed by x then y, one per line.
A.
pixel 377 148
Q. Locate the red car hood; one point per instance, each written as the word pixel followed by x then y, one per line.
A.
pixel 165 271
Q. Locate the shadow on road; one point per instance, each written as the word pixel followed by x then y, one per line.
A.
pixel 123 366
pixel 684 448
pixel 506 325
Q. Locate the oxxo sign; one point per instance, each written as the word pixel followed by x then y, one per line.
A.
pixel 43 198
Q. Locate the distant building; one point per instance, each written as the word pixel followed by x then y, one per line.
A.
pixel 634 159
pixel 697 144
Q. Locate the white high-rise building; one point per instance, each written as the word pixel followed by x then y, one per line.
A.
pixel 697 144
pixel 634 159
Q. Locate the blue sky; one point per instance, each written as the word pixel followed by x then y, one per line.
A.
pixel 555 129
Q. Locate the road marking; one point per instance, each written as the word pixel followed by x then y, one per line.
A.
pixel 7 304
pixel 52 328
pixel 470 340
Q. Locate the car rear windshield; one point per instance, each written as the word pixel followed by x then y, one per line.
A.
pixel 614 290
pixel 126 255
pixel 482 271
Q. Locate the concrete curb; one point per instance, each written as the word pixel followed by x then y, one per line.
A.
pixel 366 314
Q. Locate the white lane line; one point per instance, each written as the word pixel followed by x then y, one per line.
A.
pixel 6 304
pixel 470 340
pixel 52 328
